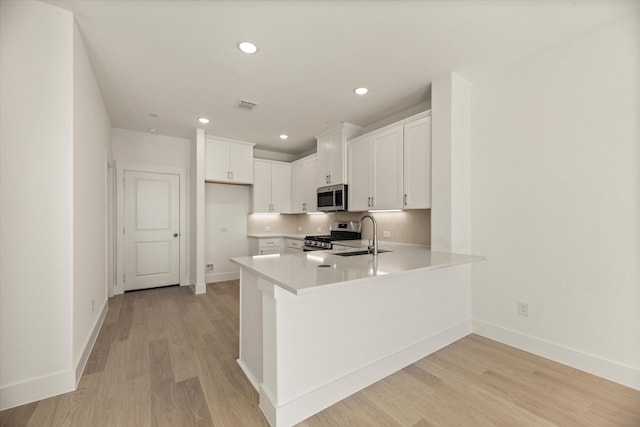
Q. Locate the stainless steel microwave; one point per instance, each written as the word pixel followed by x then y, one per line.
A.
pixel 332 198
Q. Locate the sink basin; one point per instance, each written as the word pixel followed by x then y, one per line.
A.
pixel 363 252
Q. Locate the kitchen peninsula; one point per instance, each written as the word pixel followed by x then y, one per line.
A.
pixel 316 327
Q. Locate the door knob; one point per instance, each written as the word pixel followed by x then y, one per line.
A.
pixel 175 234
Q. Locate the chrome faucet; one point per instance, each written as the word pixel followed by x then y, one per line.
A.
pixel 373 247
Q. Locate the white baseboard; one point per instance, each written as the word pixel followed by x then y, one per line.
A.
pixel 199 288
pixel 252 379
pixel 591 363
pixel 13 395
pixel 80 365
pixel 303 407
pixel 221 277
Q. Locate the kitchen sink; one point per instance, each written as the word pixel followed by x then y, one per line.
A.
pixel 355 253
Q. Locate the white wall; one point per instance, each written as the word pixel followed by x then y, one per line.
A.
pixel 36 201
pixel 91 141
pixel 556 202
pixel 148 148
pixel 226 209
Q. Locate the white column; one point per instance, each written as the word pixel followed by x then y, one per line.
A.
pixel 451 167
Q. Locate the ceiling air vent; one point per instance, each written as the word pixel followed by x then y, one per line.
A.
pixel 243 104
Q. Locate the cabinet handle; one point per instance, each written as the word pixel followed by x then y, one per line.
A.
pixel 329 178
pixel 304 206
pixel 369 201
pixel 373 202
pixel 405 200
pixel 228 177
pixel 231 174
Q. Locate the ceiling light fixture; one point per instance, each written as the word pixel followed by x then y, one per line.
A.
pixel 152 130
pixel 204 120
pixel 361 90
pixel 283 136
pixel 247 47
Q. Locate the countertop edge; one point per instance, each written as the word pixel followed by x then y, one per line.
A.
pixel 336 285
pixel 277 235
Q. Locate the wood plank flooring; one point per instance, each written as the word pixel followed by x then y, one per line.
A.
pixel 166 357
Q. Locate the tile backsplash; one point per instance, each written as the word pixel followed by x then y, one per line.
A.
pixel 412 226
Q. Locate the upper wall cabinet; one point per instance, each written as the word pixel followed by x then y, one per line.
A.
pixel 229 162
pixel 272 187
pixel 303 185
pixel 417 164
pixel 390 168
pixel 332 158
pixel 375 170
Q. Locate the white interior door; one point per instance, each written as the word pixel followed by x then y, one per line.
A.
pixel 151 230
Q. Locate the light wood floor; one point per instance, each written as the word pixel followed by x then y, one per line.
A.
pixel 166 357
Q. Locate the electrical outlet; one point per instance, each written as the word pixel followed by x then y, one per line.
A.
pixel 386 234
pixel 209 267
pixel 267 228
pixel 523 309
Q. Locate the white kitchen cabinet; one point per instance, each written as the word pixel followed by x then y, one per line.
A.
pixel 331 148
pixel 417 164
pixel 375 169
pixel 230 162
pixel 360 168
pixel 272 187
pixel 265 245
pixel 303 185
pixel 293 246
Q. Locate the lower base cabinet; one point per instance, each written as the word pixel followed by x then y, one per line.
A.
pixel 265 246
pixel 293 246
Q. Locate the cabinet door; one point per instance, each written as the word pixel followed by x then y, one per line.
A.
pixel 262 187
pixel 281 187
pixel 336 154
pixel 359 165
pixel 310 172
pixel 324 159
pixel 331 157
pixel 298 187
pixel 241 163
pixel 387 174
pixel 417 164
pixel 216 160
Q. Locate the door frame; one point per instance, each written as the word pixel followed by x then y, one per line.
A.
pixel 121 168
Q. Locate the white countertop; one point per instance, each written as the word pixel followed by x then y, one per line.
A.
pixel 273 235
pixel 301 274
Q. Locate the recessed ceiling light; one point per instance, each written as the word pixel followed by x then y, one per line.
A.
pixel 283 136
pixel 247 47
pixel 361 90
pixel 204 120
pixel 152 130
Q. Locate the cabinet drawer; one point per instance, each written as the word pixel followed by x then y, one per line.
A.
pixel 295 244
pixel 269 243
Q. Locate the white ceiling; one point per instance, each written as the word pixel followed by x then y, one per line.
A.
pixel 178 59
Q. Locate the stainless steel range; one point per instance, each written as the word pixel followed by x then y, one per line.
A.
pixel 339 231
